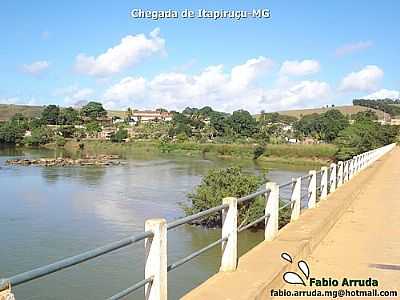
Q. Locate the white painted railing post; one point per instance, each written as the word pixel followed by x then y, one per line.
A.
pixel 351 169
pixel 156 260
pixel 332 179
pixel 296 198
pixel 312 189
pixel 324 183
pixel 229 230
pixel 272 209
pixel 340 174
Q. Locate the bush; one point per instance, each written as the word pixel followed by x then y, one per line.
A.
pixel 221 183
pixel 258 151
pixel 39 136
pixel 60 141
pixel 119 136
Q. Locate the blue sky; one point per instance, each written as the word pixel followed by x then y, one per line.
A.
pixel 307 54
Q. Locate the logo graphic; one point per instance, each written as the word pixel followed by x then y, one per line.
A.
pixel 292 277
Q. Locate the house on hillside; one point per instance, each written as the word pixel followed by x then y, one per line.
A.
pixel 150 116
pixel 103 121
pixel 395 121
pixel 106 133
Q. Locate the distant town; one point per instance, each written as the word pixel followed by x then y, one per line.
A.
pixel 33 126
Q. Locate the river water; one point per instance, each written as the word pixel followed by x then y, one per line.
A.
pixel 51 213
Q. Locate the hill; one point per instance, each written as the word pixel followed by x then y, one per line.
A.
pixel 346 110
pixel 30 111
pixel 9 110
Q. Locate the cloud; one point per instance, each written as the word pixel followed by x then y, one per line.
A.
pixel 75 96
pixel 36 68
pixel 383 94
pixel 352 48
pixel 365 80
pixel 299 68
pixel 213 86
pixel 130 51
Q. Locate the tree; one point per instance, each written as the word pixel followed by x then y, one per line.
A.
pixel 385 105
pixel 68 116
pixel 221 183
pixel 50 114
pixel 243 123
pixel 219 121
pixel 365 115
pixel 364 135
pixel 11 133
pixel 93 128
pixel 93 110
pixel 325 126
pixel 39 136
pixel 331 123
pixel 119 136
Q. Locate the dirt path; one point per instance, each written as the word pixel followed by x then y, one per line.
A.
pixel 368 233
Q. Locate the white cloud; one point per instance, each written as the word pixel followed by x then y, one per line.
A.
pixel 36 67
pixel 353 47
pixel 383 94
pixel 300 68
pixel 365 80
pixel 75 96
pixel 213 86
pixel 130 51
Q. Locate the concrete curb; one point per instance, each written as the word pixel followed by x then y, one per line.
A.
pixel 261 269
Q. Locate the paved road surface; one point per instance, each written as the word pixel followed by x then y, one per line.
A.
pixel 367 234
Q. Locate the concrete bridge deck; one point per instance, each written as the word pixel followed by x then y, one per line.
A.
pixel 365 242
pixel 356 227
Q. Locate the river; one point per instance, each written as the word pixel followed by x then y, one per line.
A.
pixel 51 213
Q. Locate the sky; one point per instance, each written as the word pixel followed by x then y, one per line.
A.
pixel 306 54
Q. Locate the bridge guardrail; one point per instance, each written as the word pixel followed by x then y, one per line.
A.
pixel 155 234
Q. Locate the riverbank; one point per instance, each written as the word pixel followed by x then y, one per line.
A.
pixel 300 155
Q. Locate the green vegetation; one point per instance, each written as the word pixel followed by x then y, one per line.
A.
pixel 93 110
pixel 39 136
pixel 119 136
pixel 386 105
pixel 363 135
pixel 324 127
pixel 205 130
pixel 221 183
pixel 93 128
pixel 230 182
pixel 11 133
pixel 60 141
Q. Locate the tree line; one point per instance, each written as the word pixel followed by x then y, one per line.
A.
pixel 205 125
pixel 386 105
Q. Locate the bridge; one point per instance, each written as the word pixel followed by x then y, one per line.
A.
pixel 344 223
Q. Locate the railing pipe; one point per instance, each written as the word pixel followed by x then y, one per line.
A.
pixel 71 261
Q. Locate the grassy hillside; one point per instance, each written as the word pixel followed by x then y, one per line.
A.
pixel 346 110
pixel 29 111
pixel 9 110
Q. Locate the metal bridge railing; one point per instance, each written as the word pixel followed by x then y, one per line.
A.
pixel 317 185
